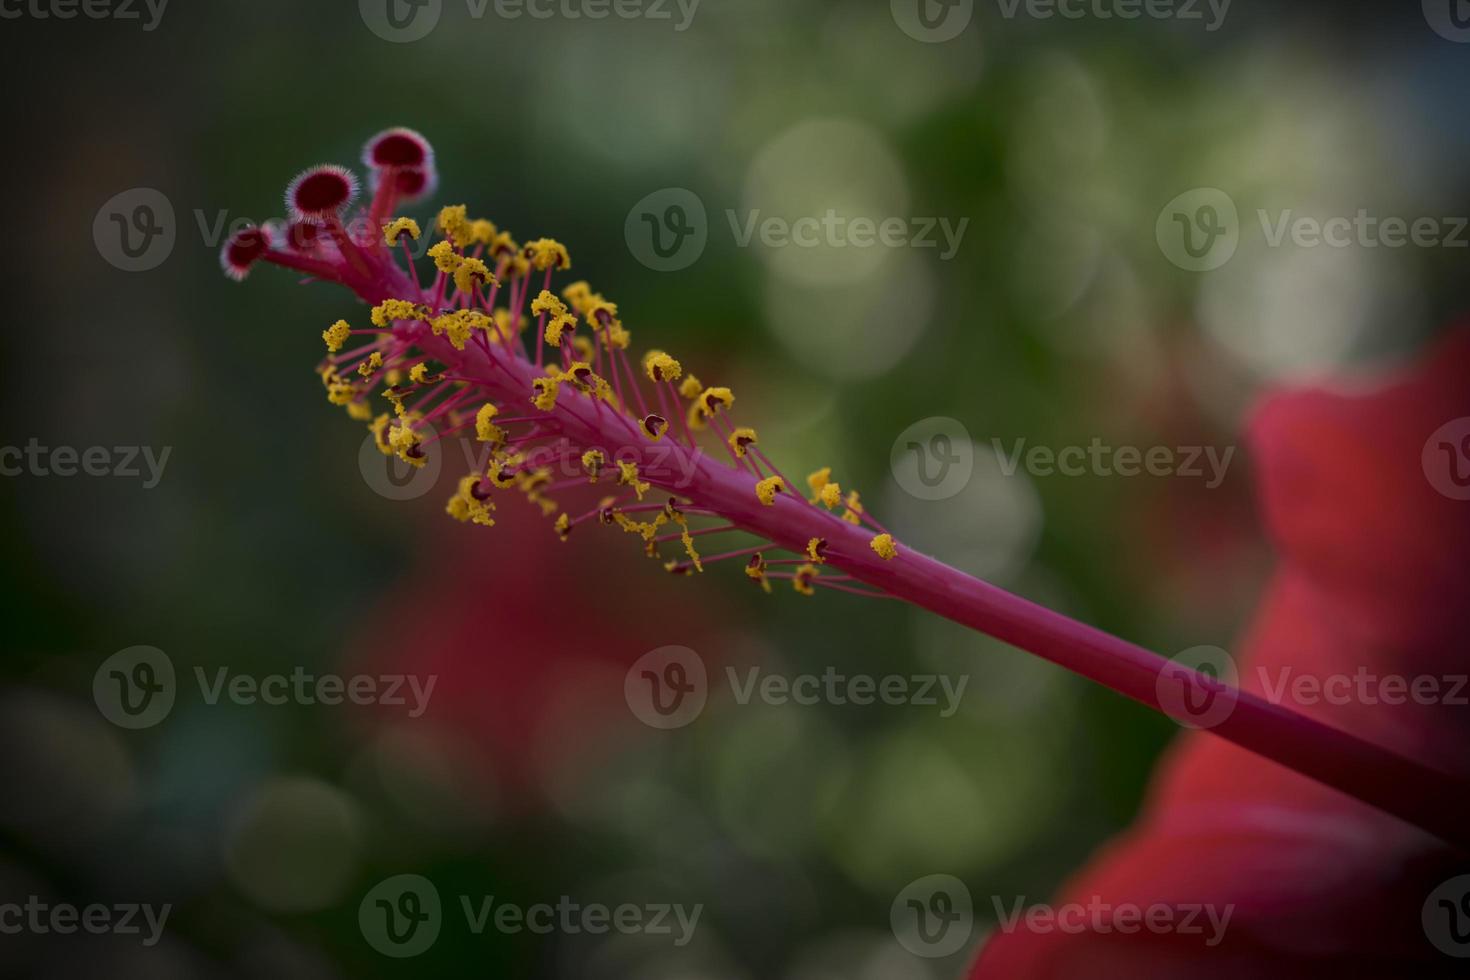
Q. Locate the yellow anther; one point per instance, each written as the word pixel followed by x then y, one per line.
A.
pixel 830 496
pixel 755 570
pixel 405 441
pixel 446 259
pixel 805 576
pixel 558 326
pixel 819 479
pixel 396 309
pixel 470 504
pixel 336 335
pixel 741 440
pixel 485 428
pixel 628 477
pixel 599 312
pixel 853 503
pixel 373 362
pixel 884 546
pixel 546 302
pixel 419 374
pixel 482 232
pixel 379 429
pixel 453 223
pixel 359 411
pixel 455 326
pixel 816 550
pixel 661 367
pixel 341 391
pixel 654 426
pixel 394 230
pixel 767 489
pixel 715 398
pixel 473 272
pixel 545 393
pixel 563 527
pixel 577 293
pixel 548 253
pixel 691 388
pixel 593 462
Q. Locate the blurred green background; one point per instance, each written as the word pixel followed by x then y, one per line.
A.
pixel 263 549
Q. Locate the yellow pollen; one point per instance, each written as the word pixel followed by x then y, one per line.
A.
pixel 396 309
pixel 830 496
pixel 485 429
pixel 661 367
pixel 446 259
pixel 548 253
pixel 741 440
pixel 336 335
pixel 691 388
pixel 453 223
pixel 755 570
pixel 713 398
pixel 815 550
pixel 805 575
pixel 373 362
pixel 628 477
pixel 471 272
pixel 397 228
pixel 545 393
pixel 884 546
pixel 592 462
pixel 546 302
pixel 767 489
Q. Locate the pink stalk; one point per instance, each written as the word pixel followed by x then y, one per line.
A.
pixel 695 484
